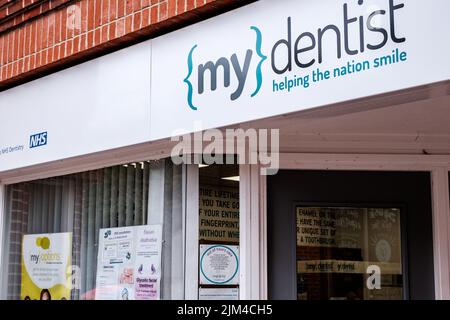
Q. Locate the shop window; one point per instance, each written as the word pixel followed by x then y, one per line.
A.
pixel 78 236
pixel 349 253
pixel 219 232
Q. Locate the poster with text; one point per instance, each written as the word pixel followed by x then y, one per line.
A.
pixel 219 264
pixel 129 263
pixel 228 294
pixel 330 227
pixel 219 214
pixel 46 266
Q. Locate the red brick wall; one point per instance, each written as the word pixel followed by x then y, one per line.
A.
pixel 15 12
pixel 38 36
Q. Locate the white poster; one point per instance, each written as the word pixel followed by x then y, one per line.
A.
pixel 98 105
pixel 129 263
pixel 46 266
pixel 218 293
pixel 219 213
pixel 219 264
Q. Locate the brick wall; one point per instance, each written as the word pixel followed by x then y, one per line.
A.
pixel 39 36
pixel 15 12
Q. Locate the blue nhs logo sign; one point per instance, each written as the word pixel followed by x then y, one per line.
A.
pixel 38 140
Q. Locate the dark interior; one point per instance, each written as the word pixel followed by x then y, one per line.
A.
pixel 410 191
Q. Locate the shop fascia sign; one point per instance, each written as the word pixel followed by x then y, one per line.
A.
pixel 274 57
pixel 288 53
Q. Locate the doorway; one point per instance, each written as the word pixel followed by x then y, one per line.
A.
pixel 340 235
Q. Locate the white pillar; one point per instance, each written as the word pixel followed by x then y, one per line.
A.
pixel 441 232
pixel 191 193
pixel 253 234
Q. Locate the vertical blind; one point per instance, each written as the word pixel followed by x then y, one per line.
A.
pixel 83 204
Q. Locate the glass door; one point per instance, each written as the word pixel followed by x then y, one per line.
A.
pixel 348 253
pixel 348 235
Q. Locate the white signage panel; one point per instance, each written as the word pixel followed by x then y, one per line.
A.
pixel 98 105
pixel 276 57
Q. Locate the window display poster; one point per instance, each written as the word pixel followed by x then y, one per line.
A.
pixel 219 264
pixel 129 263
pixel 46 266
pixel 330 227
pixel 385 234
pixel 219 214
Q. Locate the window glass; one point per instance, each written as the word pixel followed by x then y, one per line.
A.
pixel 219 232
pixel 349 253
pixel 77 236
